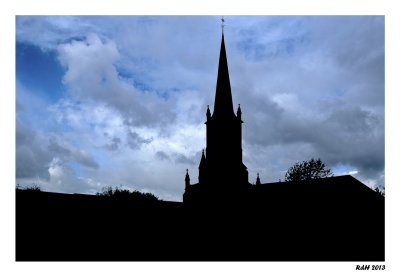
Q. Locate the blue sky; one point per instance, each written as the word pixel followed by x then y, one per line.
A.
pixel 39 70
pixel 121 100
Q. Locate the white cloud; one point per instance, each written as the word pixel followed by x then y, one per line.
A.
pixel 92 75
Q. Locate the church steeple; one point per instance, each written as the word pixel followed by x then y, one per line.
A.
pixel 223 106
pixel 221 168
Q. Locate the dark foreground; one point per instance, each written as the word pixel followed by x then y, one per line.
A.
pixel 61 227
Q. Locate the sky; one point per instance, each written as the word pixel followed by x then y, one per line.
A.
pixel 121 100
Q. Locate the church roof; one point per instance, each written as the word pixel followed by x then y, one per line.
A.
pixel 223 106
pixel 332 190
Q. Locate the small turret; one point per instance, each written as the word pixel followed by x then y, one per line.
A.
pixel 202 160
pixel 187 179
pixel 258 182
pixel 202 168
pixel 208 113
pixel 239 113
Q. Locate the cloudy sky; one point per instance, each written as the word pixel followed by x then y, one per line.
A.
pixel 121 100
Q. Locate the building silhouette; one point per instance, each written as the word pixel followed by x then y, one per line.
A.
pixel 223 177
pixel 334 218
pixel 221 168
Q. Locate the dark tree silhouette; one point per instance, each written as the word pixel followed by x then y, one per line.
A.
pixel 312 169
pixel 381 192
pixel 33 187
pixel 119 193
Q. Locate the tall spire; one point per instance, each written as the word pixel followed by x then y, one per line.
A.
pixel 223 106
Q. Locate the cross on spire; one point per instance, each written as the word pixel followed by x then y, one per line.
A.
pixel 222 23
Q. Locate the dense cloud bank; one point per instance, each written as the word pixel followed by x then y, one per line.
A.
pixel 134 92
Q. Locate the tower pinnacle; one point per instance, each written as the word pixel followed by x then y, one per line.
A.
pixel 258 181
pixel 187 179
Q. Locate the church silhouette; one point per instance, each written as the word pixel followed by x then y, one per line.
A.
pixel 221 169
pixel 333 218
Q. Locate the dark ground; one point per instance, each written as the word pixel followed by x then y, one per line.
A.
pixel 74 227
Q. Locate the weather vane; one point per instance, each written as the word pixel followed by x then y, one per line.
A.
pixel 222 23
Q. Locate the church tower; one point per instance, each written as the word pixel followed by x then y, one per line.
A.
pixel 222 164
pixel 221 168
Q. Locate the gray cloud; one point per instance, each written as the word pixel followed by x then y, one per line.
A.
pixel 114 144
pixel 35 153
pixel 64 151
pixel 179 158
pixel 348 135
pixel 182 159
pixel 134 140
pixel 32 159
pixel 161 155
